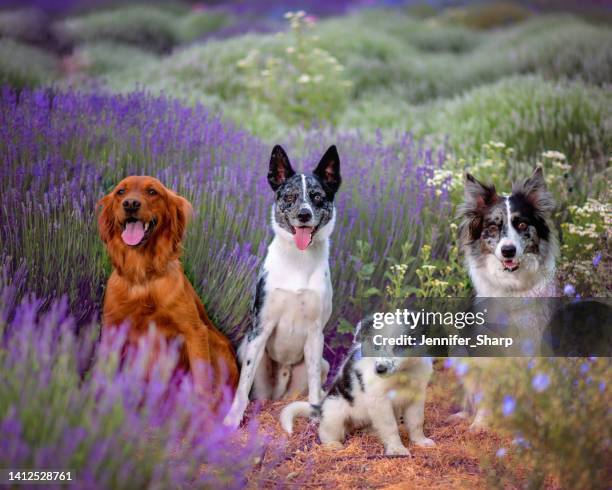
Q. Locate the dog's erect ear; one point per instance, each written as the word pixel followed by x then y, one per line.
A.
pixel 106 218
pixel 280 168
pixel 181 211
pixel 535 191
pixel 328 171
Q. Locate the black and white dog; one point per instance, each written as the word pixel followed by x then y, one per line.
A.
pixel 378 392
pixel 282 354
pixel 510 248
pixel 509 242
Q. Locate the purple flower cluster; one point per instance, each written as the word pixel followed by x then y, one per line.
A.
pixel 65 403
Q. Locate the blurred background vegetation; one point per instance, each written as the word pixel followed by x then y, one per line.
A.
pixel 490 87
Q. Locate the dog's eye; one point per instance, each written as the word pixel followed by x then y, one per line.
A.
pixel 120 192
pixel 290 198
pixel 492 228
pixel 522 226
pixel 317 199
pixel 151 192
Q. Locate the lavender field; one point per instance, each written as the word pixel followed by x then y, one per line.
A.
pixel 196 95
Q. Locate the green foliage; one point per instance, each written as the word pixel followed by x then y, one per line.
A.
pixel 558 411
pixel 149 27
pixel 586 255
pixel 302 85
pixel 25 66
pixel 152 28
pixel 427 77
pixel 527 113
pixel 363 268
pixel 442 277
pixel 98 58
pixel 196 24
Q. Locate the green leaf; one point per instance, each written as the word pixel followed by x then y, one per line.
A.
pixel 371 292
pixel 344 326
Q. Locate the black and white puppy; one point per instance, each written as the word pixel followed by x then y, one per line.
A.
pixel 282 353
pixel 510 247
pixel 377 392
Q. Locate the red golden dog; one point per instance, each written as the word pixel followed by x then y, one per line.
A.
pixel 142 224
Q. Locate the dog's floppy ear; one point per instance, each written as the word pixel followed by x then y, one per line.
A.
pixel 477 194
pixel 280 168
pixel 106 218
pixel 328 171
pixel 180 211
pixel 535 192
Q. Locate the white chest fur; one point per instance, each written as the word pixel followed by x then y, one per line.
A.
pixel 298 296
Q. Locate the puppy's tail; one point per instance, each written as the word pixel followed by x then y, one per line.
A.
pixel 297 409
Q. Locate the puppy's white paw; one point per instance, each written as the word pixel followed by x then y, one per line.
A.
pixel 478 425
pixel 333 446
pixel 397 451
pixel 424 442
pixel 456 417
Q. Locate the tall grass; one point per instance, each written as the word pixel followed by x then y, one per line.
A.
pixel 525 112
pixel 41 67
pixel 149 27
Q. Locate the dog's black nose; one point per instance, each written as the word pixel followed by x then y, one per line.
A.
pixel 131 205
pixel 508 251
pixel 304 215
pixel 381 368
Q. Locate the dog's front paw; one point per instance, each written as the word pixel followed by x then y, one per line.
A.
pixel 478 425
pixel 424 442
pixel 231 420
pixel 456 417
pixel 333 446
pixel 397 451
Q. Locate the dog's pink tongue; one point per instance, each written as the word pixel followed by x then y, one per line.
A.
pixel 302 237
pixel 133 233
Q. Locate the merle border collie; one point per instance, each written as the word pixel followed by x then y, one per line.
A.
pixel 282 353
pixel 510 247
pixel 509 242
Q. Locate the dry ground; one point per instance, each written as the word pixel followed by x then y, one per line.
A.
pixel 454 463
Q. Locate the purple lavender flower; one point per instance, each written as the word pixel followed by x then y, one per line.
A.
pixel 115 416
pixel 508 405
pixel 540 382
pixel 569 290
pixel 520 441
pixel 461 368
pixel 597 259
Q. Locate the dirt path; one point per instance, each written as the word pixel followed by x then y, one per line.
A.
pixel 454 463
